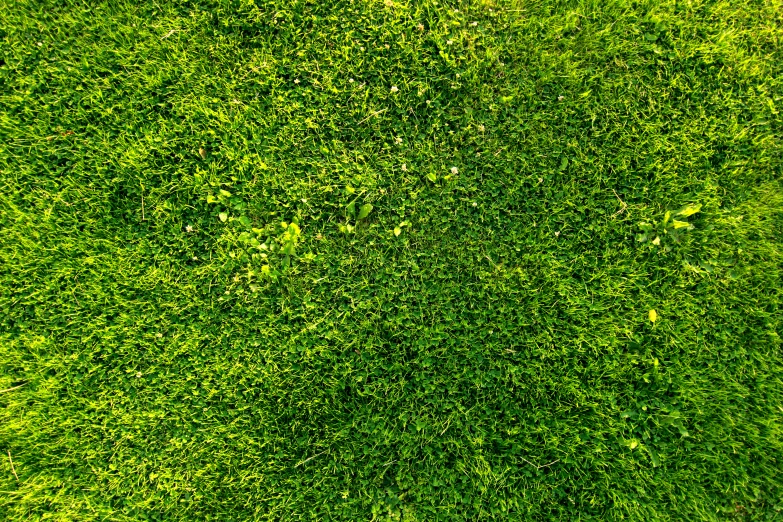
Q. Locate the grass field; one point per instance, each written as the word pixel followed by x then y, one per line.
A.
pixel 366 260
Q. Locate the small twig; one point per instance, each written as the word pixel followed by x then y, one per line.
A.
pixel 539 467
pixel 492 262
pixel 13 388
pixel 623 203
pixel 13 469
pixel 523 458
pixel 169 34
pixel 311 458
pixel 376 113
pixel 142 200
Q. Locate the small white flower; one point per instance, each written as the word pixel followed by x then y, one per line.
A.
pixel 350 80
pixel 386 45
pixel 361 48
pixel 454 170
pixel 474 24
pixel 449 42
pixel 394 88
pixel 189 228
pixel 158 335
pixel 540 180
pixel 560 98
pixel 195 258
pixel 138 375
pixel 557 234
pixel 404 167
pixel 475 204
pixel 40 44
pixel 398 140
pixel 420 27
pixel 481 128
pixel 296 81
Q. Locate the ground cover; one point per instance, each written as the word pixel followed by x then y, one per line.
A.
pixel 352 260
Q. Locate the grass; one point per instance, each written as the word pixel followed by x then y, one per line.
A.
pixel 364 260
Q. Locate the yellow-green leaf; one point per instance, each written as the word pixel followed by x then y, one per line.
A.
pixel 680 224
pixel 653 315
pixel 397 231
pixel 689 210
pixel 365 210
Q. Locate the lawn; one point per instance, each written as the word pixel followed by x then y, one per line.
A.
pixel 389 260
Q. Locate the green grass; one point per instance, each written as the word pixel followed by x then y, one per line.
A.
pixel 424 343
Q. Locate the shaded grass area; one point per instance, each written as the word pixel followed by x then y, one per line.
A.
pixel 457 324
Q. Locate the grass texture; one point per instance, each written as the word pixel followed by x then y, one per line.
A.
pixel 366 260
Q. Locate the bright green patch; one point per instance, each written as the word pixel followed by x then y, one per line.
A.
pixel 345 260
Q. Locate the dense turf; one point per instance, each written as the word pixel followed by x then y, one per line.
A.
pixel 344 260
